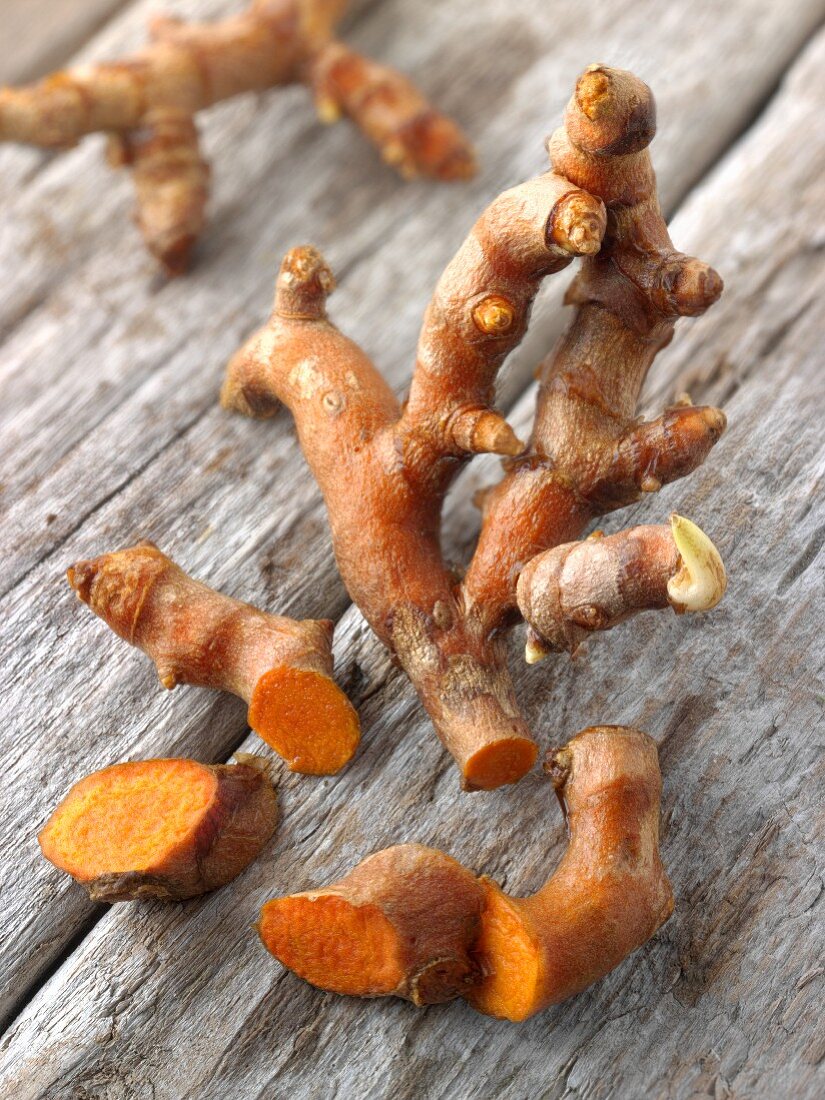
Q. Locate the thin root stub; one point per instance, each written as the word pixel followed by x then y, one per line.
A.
pixel 167 829
pixel 306 718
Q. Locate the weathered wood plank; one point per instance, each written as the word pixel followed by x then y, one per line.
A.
pixel 182 1002
pixel 38 35
pixel 128 442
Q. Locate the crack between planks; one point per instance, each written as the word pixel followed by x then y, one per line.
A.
pixel 756 112
pixel 15 1009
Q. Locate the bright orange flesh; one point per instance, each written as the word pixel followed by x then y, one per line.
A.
pixel 333 944
pixel 502 762
pixel 510 958
pixel 306 719
pixel 128 817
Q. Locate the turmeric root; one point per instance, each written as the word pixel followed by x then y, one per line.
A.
pixel 166 829
pixel 608 895
pixel 385 468
pixel 281 668
pixel 400 924
pixel 567 593
pixel 368 934
pixel 148 102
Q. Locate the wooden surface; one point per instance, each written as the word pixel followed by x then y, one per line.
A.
pixel 110 432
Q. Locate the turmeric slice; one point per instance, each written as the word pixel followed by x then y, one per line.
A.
pixel 282 668
pixel 168 829
pixel 401 923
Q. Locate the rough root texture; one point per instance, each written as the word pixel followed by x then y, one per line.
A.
pixel 409 921
pixel 166 829
pixel 567 593
pixel 282 668
pixel 384 468
pixel 147 103
pixel 608 895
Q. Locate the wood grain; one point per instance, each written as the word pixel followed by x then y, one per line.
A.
pixel 38 35
pixel 182 1001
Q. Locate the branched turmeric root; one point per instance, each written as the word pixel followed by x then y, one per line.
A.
pixel 384 467
pixel 281 667
pixel 166 829
pixel 147 104
pixel 411 910
pixel 401 923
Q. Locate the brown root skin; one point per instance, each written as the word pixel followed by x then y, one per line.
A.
pixel 163 829
pixel 149 102
pixel 608 895
pixel 588 453
pixel 282 668
pixel 171 184
pixel 411 913
pixel 384 469
pixel 573 590
pixel 400 924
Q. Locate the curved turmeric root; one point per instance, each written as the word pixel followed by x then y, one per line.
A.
pixel 567 593
pixel 400 924
pixel 384 468
pixel 608 895
pixel 411 910
pixel 148 103
pixel 166 829
pixel 281 667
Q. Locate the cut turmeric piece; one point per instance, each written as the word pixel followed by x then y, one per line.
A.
pixel 167 829
pixel 401 923
pixel 281 667
pixel 608 895
pixel 411 922
pixel 503 761
pixel 306 718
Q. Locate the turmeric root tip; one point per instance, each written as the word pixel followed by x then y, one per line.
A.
pixel 400 923
pixel 167 829
pixel 306 718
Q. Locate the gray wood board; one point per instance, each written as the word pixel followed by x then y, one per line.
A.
pixel 111 430
pixel 712 1004
pixel 38 35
